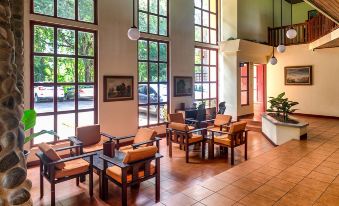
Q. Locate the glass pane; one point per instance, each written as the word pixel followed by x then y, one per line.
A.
pixel 142 50
pixel 206 57
pixel 86 97
pixel 163 93
pixel 86 44
pixel 205 19
pixel 143 72
pixel 213 57
pixel 153 6
pixel 143 5
pixel 206 91
pixel 198 91
pixel 66 41
pixel 45 7
pixel 197 33
pixel 153 73
pixel 213 103
pixel 205 4
pixel 163 52
pixel 213 74
pixel 153 24
pixel 163 26
pixel 153 51
pixel 197 56
pixel 213 21
pixel 163 7
pixel 66 69
pixel 43 69
pixel 205 74
pixel 66 125
pixel 66 101
pixel 206 35
pixel 197 3
pixel 85 119
pixel 85 70
pixel 197 72
pixel 143 93
pixel 66 9
pixel 244 84
pixel 43 99
pixel 86 10
pixel 243 69
pixel 153 113
pixel 44 123
pixel 197 16
pixel 143 22
pixel 213 6
pixel 143 115
pixel 153 93
pixel 43 39
pixel 244 98
pixel 213 37
pixel 162 72
pixel 213 90
pixel 163 113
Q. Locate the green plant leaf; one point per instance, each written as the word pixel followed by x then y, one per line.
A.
pixel 34 135
pixel 29 119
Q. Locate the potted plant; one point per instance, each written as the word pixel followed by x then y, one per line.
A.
pixel 281 108
pixel 29 121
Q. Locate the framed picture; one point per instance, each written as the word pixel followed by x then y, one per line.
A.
pixel 298 75
pixel 183 86
pixel 312 13
pixel 118 88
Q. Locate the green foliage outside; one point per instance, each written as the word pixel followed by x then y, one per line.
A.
pixel 281 106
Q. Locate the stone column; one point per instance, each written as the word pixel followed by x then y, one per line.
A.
pixel 14 186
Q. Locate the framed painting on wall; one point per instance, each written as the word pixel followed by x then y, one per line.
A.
pixel 183 86
pixel 298 75
pixel 118 88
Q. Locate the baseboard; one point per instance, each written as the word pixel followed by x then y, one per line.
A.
pixel 316 115
pixel 268 139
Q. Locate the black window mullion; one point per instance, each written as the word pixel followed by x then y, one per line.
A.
pixel 76 76
pixel 55 99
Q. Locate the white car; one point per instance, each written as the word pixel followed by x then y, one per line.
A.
pixel 43 93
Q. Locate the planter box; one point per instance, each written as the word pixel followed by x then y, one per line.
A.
pixel 279 132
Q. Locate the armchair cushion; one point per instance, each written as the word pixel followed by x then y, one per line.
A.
pixel 221 119
pixel 89 135
pixel 95 147
pixel 144 134
pixel 125 149
pixel 115 173
pixel 237 127
pixel 223 139
pixel 181 127
pixel 51 154
pixel 195 138
pixel 73 167
pixel 176 117
pixel 140 154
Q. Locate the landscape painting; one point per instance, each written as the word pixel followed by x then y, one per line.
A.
pixel 183 86
pixel 298 75
pixel 118 88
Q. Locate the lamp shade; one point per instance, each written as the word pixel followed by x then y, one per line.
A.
pixel 273 60
pixel 291 33
pixel 133 33
pixel 281 48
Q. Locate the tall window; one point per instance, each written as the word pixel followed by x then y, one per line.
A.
pixel 152 81
pixel 244 79
pixel 78 10
pixel 153 17
pixel 64 73
pixel 206 21
pixel 206 76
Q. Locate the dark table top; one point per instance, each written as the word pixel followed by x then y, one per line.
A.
pixel 98 163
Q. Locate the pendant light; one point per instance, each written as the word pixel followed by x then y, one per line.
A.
pixel 281 48
pixel 291 33
pixel 133 33
pixel 273 60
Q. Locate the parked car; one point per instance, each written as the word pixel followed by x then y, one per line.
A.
pixel 85 92
pixel 153 95
pixel 46 93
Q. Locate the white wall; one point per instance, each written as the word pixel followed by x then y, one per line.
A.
pixel 321 98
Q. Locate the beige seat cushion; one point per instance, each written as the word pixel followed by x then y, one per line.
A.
pixel 51 154
pixel 222 119
pixel 73 167
pixel 96 147
pixel 144 134
pixel 89 135
pixel 115 173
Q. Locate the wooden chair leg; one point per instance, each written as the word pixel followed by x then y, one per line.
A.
pixel 232 156
pixel 170 148
pixel 203 148
pixel 77 181
pixel 52 194
pixel 187 153
pixel 245 151
pixel 157 186
pixel 124 195
pixel 41 181
pixel 91 182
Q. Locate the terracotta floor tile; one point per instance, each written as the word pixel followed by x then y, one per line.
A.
pixel 321 177
pixel 281 184
pixel 233 192
pixel 227 177
pixel 291 177
pixel 269 171
pixel 270 192
pixel 214 184
pixel 259 177
pixel 306 192
pixel 247 184
pixel 333 189
pixel 178 200
pixel 327 170
pixel 217 200
pixel 328 200
pixel 314 184
pixel 293 200
pixel 197 192
pixel 256 200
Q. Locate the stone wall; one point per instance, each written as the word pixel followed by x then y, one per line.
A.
pixel 14 187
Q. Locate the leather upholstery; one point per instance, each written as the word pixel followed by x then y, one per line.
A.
pixel 95 147
pixel 176 117
pixel 89 135
pixel 237 127
pixel 73 167
pixel 144 134
pixel 115 173
pixel 51 154
pixel 221 119
pixel 140 154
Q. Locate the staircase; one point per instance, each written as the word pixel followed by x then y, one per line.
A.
pixel 253 125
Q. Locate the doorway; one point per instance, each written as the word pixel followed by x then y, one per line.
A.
pixel 259 90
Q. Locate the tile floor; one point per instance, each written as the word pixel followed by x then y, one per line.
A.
pixel 296 173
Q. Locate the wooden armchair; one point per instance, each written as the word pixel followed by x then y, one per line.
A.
pixel 135 168
pixel 181 134
pixel 56 170
pixel 221 121
pixel 90 138
pixel 179 118
pixel 236 136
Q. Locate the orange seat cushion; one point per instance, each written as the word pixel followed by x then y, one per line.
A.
pixel 222 119
pixel 140 154
pixel 125 149
pixel 73 167
pixel 190 128
pixel 214 128
pixel 223 139
pixel 96 147
pixel 195 138
pixel 144 134
pixel 51 154
pixel 115 173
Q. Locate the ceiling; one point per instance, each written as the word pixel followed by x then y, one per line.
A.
pixel 294 1
pixel 328 7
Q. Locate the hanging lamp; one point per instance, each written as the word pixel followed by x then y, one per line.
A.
pixel 291 32
pixel 133 33
pixel 273 60
pixel 281 48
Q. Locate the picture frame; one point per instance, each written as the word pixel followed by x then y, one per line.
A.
pixel 299 75
pixel 118 88
pixel 183 86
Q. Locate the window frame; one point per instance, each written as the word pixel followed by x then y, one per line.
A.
pixel 148 13
pixel 209 19
pixel 76 15
pixel 202 65
pixel 55 84
pixel 148 83
pixel 248 83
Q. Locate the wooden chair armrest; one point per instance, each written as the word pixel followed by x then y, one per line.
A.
pixel 196 130
pixel 114 162
pixel 69 147
pixel 191 120
pixel 75 140
pixel 125 137
pixel 136 145
pixel 72 158
pixel 110 137
pixel 219 132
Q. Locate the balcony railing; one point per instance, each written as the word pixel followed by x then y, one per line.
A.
pixel 307 32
